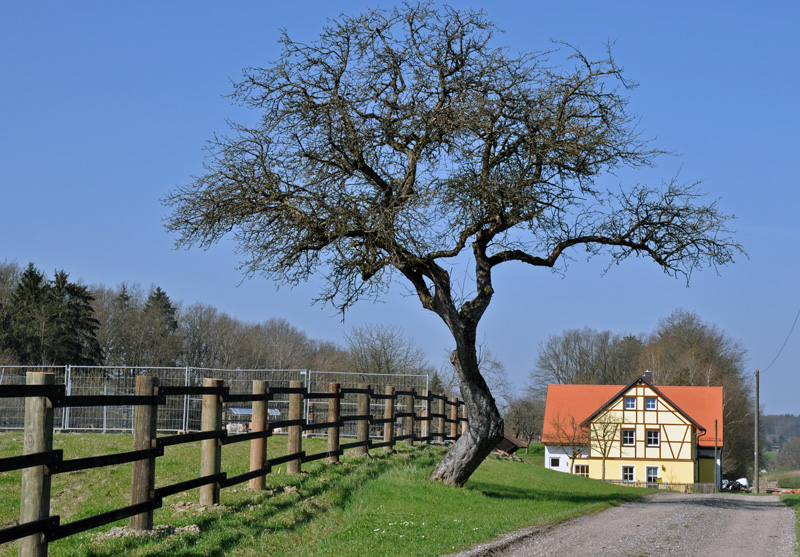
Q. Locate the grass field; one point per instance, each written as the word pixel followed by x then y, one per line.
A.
pixel 793 501
pixel 379 505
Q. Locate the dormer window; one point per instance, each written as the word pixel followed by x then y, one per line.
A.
pixel 630 403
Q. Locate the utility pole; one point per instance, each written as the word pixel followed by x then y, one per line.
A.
pixel 755 471
pixel 716 457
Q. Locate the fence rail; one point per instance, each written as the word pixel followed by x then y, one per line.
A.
pixel 372 417
pixel 679 487
pixel 181 411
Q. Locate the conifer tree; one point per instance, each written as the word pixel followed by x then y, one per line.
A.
pixel 49 323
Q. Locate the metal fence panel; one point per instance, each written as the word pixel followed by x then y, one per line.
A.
pixel 182 412
pixel 318 381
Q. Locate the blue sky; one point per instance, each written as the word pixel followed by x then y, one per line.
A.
pixel 106 106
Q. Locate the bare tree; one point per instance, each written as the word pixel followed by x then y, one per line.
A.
pixel 403 144
pixel 789 455
pixel 604 432
pixel 570 435
pixel 384 349
pixel 586 356
pixel 10 273
pixel 524 418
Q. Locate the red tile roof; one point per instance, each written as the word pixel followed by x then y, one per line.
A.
pixel 564 402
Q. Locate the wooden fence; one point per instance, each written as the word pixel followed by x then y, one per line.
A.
pixel 442 420
pixel 671 486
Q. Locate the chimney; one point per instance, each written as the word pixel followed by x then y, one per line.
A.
pixel 648 376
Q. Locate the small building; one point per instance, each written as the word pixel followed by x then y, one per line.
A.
pixel 509 444
pixel 636 432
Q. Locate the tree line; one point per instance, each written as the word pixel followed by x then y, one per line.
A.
pixel 55 321
pixel 682 350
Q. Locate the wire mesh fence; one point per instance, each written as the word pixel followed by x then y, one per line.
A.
pixel 317 382
pixel 182 412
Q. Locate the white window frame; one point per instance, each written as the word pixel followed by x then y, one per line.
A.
pixel 647 438
pixel 647 473
pixel 557 460
pixel 633 438
pixel 633 473
pixel 632 400
pixel 575 470
pixel 648 400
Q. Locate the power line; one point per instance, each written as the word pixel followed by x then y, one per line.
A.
pixel 784 342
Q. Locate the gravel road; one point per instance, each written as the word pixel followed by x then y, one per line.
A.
pixel 722 524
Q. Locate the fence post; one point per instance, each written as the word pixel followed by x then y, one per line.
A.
pixel 428 416
pixel 186 402
pixel 333 417
pixel 408 423
pixel 362 426
pixel 38 438
pixel 454 418
pixel 294 441
pixel 440 418
pixel 388 414
pixel 68 386
pixel 258 447
pixel 144 471
pixel 210 449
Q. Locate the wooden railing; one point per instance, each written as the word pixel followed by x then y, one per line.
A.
pixel 442 420
pixel 671 486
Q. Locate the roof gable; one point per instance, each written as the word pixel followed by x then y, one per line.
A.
pixel 699 405
pixel 627 388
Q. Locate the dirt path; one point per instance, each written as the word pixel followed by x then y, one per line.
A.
pixel 664 524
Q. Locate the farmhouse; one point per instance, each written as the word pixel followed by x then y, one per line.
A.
pixel 636 432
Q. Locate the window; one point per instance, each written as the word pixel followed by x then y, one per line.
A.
pixel 628 473
pixel 651 474
pixel 630 403
pixel 652 437
pixel 582 470
pixel 555 462
pixel 650 403
pixel 628 437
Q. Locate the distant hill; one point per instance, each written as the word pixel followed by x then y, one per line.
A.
pixel 778 428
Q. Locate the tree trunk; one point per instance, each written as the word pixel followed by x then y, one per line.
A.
pixel 485 428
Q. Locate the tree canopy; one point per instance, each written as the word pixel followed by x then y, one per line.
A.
pixel 403 142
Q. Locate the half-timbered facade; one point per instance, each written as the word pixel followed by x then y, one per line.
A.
pixel 635 433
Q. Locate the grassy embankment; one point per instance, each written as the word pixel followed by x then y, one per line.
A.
pixel 788 480
pixel 381 505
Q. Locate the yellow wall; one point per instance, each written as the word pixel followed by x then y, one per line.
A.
pixel 670 471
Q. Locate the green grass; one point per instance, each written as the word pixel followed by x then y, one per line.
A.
pixel 787 479
pixel 793 501
pixel 380 505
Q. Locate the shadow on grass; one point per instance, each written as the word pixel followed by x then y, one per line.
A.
pixel 289 504
pixel 519 493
